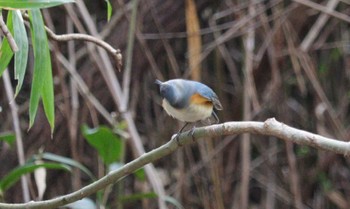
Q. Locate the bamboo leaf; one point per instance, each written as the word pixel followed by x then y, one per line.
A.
pixel 8 137
pixel 11 178
pixel 67 161
pixel 5 49
pixel 42 85
pixel 48 92
pixel 31 4
pixel 109 10
pixel 21 57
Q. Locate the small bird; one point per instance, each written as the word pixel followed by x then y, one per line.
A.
pixel 188 101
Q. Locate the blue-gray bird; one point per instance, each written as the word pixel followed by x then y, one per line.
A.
pixel 188 101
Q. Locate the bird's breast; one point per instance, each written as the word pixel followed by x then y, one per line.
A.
pixel 192 113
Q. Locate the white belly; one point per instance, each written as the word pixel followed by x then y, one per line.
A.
pixel 192 113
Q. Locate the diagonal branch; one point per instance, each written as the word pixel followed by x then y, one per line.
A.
pixel 116 53
pixel 8 35
pixel 325 9
pixel 270 127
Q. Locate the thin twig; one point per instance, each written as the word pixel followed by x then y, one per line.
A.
pixel 325 9
pixel 129 54
pixel 249 96
pixel 73 118
pixel 316 28
pixel 271 127
pixel 116 53
pixel 17 128
pixel 8 34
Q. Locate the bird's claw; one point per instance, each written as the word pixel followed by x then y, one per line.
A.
pixel 191 133
pixel 176 137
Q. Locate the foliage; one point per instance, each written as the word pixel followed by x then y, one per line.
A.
pixel 8 137
pixel 11 178
pixel 31 4
pixel 109 146
pixel 42 85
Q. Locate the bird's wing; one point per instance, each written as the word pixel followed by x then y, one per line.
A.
pixel 209 95
pixel 198 98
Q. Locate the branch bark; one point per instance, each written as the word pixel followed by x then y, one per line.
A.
pixel 8 35
pixel 270 127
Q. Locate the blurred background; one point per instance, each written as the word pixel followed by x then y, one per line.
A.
pixel 265 58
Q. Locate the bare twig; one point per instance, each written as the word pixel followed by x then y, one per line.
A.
pixel 8 35
pixel 17 128
pixel 294 176
pixel 250 98
pixel 116 53
pixel 325 9
pixel 315 30
pixel 270 127
pixel 129 54
pixel 84 37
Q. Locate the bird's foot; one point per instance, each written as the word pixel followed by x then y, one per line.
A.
pixel 176 137
pixel 191 133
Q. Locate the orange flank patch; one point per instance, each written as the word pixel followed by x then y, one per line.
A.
pixel 199 99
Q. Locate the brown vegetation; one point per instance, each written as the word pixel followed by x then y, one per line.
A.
pixel 284 59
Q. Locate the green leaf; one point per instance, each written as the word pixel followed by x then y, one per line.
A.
pixel 48 94
pixel 8 137
pixel 42 85
pixel 109 10
pixel 31 4
pixel 67 161
pixel 324 181
pixel 11 178
pixel 140 174
pixel 109 146
pixel 5 49
pixel 21 57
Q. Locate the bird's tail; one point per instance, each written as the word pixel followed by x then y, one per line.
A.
pixel 158 82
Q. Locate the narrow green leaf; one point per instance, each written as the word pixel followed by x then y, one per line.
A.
pixel 109 146
pixel 67 161
pixel 42 85
pixel 31 4
pixel 21 56
pixel 8 137
pixel 5 49
pixel 39 55
pixel 48 93
pixel 109 10
pixel 11 178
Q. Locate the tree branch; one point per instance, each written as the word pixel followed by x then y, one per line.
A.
pixel 270 127
pixel 116 54
pixel 8 34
